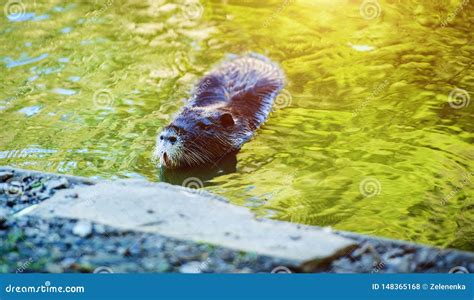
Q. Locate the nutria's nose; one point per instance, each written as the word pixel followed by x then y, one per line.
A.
pixel 172 139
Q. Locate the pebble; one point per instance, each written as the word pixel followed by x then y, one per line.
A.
pixel 192 267
pixel 163 266
pixel 423 255
pixel 123 251
pixel 149 263
pixel 73 195
pixel 67 262
pixel 393 254
pixel 42 196
pixel 398 264
pixel 295 237
pixel 54 268
pixel 367 263
pixel 82 229
pixel 135 249
pixel 154 241
pixel 3 217
pixel 5 175
pixel 99 228
pixel 14 257
pixel 185 252
pixel 60 183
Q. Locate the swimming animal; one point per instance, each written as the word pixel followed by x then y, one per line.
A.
pixel 225 109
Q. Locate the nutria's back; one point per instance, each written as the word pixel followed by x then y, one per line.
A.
pixel 225 109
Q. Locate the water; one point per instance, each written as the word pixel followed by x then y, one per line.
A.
pixel 364 138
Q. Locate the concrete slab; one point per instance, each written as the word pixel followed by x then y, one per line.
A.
pixel 193 215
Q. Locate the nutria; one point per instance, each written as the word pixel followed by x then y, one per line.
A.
pixel 224 111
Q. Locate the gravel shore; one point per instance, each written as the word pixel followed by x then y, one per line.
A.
pixel 31 244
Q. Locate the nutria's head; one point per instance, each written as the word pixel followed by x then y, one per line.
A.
pixel 198 136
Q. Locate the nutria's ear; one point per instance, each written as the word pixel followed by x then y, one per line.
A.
pixel 226 120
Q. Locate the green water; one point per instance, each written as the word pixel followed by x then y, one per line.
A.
pixel 365 137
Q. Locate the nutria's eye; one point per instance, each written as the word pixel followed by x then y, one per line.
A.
pixel 202 125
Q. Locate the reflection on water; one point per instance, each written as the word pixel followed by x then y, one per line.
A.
pixel 373 132
pixel 199 176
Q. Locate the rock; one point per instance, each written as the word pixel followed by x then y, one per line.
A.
pixel 393 253
pixel 163 266
pixel 125 267
pixel 186 252
pixel 135 249
pixel 5 175
pixel 54 268
pixel 192 267
pixel 11 201
pixel 14 257
pixel 3 217
pixel 154 241
pixel 31 231
pixel 123 251
pixel 110 248
pixel 245 270
pixel 424 256
pixel 155 264
pixel 82 229
pixel 343 265
pixel 73 195
pixel 99 228
pixel 367 263
pixel 42 196
pixel 225 255
pixel 67 262
pixel 149 264
pixel 215 265
pixel 56 184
